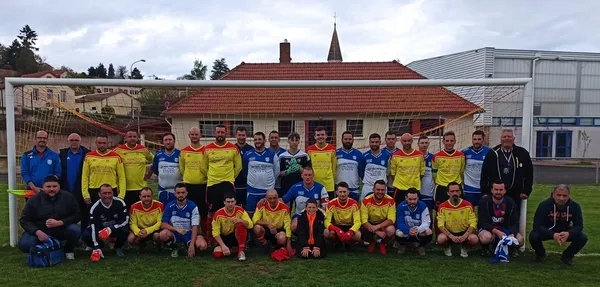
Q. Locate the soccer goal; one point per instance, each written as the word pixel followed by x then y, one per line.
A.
pixel 90 107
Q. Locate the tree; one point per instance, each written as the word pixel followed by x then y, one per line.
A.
pixel 26 62
pixel 111 71
pixel 2 55
pixel 92 73
pixel 79 90
pixel 197 73
pixel 153 100
pixel 101 71
pixel 219 69
pixel 11 53
pixel 136 74
pixel 43 63
pixel 108 110
pixel 28 38
pixel 121 72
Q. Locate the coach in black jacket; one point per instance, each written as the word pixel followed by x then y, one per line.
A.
pixel 512 165
pixel 74 155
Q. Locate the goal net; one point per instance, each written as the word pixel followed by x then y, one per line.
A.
pixel 112 107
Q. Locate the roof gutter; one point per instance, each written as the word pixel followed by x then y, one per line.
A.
pixel 548 57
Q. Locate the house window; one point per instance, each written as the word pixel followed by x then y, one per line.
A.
pixel 77 109
pixel 355 127
pixel 285 128
pixel 563 144
pixel 49 94
pixel 106 90
pixel 432 127
pixel 94 109
pixel 110 90
pixel 543 146
pixel 63 96
pixel 207 128
pixel 35 94
pixel 400 126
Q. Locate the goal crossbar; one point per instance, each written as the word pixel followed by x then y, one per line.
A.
pixel 11 83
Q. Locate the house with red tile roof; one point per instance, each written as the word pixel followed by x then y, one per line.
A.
pixel 360 110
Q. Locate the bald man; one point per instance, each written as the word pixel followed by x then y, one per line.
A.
pixel 71 159
pixel 39 163
pixel 407 166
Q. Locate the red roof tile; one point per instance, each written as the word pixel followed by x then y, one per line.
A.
pixel 55 73
pixel 326 100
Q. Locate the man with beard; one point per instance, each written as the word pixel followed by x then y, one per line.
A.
pixel 350 165
pixel 447 166
pixel 342 219
pixel 474 157
pixel 39 163
pixel 292 162
pixel 407 167
pixel 558 218
pixel 180 223
pixel 145 219
pixel 262 168
pixel 391 138
pixel 230 228
pixel 376 166
pixel 102 167
pixel 241 133
pixel 427 182
pixel 136 158
pixel 274 146
pixel 108 222
pixel 191 161
pixel 457 222
pixel 71 160
pixel 413 222
pixel 497 217
pixel 166 168
pixel 221 162
pixel 272 223
pixel 511 164
pixel 377 215
pixel 324 160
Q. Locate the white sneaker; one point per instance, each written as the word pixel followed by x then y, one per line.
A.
pixel 463 252
pixel 175 252
pixel 448 251
pixel 241 256
pixel 70 255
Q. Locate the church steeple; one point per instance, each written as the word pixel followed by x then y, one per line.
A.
pixel 335 53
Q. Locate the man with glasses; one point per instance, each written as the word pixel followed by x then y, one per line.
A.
pixel 71 159
pixel 39 163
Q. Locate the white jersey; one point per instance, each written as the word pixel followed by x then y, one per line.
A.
pixel 375 169
pixel 427 182
pixel 474 163
pixel 166 167
pixel 263 170
pixel 350 167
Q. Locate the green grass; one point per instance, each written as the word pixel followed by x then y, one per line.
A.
pixel 356 268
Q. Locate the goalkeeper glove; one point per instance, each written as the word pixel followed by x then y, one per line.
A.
pixel 104 233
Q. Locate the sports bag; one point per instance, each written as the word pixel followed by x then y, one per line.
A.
pixel 47 254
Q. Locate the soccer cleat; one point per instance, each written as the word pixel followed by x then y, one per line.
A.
pixel 448 251
pixel 70 255
pixel 396 245
pixel 567 261
pixel 175 252
pixel 401 249
pixel 96 255
pixel 541 258
pixel 513 252
pixel 371 247
pixel 120 252
pixel 421 251
pixel 241 256
pixel 463 252
pixel 382 248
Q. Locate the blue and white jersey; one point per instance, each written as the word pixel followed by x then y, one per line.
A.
pixel 427 182
pixel 166 167
pixel 390 178
pixel 184 217
pixel 262 170
pixel 278 153
pixel 376 167
pixel 407 218
pixel 300 194
pixel 350 167
pixel 474 163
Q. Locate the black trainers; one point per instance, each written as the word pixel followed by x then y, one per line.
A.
pixel 541 258
pixel 513 252
pixel 567 261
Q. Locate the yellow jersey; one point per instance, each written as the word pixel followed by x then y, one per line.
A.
pixel 278 216
pixel 324 163
pixel 347 214
pixel 190 165
pixel 448 167
pixel 407 169
pixel 149 219
pixel 100 168
pixel 456 218
pixel 373 212
pixel 135 162
pixel 221 163
pixel 222 225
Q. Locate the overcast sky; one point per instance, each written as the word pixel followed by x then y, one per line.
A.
pixel 170 34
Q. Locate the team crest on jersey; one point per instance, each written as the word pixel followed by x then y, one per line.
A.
pixel 162 159
pixel 115 216
pixel 354 157
pixel 418 216
pixel 316 196
pixel 252 159
pixel 369 160
pixel 267 159
pixel 174 213
pixel 187 214
pixel 383 162
pixel 468 156
pixel 49 162
pixel 176 159
pixel 300 193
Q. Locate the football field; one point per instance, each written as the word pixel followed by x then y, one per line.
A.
pixel 356 268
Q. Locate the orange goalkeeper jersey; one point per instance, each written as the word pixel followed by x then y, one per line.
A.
pixel 373 212
pixel 135 162
pixel 222 225
pixel 278 216
pixel 347 214
pixel 456 218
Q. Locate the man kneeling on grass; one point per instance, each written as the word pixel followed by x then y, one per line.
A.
pixel 413 222
pixel 108 222
pixel 50 213
pixel 457 222
pixel 272 223
pixel 180 223
pixel 146 216
pixel 230 229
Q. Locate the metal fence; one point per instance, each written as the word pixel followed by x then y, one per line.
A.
pixel 567 170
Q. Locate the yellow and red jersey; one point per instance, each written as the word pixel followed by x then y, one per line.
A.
pixel 149 219
pixel 222 225
pixel 347 214
pixel 278 216
pixel 448 167
pixel 324 163
pixel 373 212
pixel 135 162
pixel 190 165
pixel 100 168
pixel 456 218
pixel 221 163
pixel 407 169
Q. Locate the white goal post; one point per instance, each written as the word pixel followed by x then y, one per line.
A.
pixel 10 104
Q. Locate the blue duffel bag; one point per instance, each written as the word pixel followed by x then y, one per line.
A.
pixel 47 254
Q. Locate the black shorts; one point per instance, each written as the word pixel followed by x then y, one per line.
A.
pixel 441 195
pixel 271 237
pixel 344 228
pixel 229 240
pixel 366 234
pixel 131 197
pixel 197 194
pixel 458 234
pixel 399 195
pixel 149 237
pixel 215 195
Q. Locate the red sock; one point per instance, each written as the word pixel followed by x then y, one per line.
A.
pixel 261 237
pixel 241 234
pixel 218 254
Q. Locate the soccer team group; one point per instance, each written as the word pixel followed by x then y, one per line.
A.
pixel 225 196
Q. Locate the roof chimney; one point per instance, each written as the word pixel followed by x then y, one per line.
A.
pixel 285 54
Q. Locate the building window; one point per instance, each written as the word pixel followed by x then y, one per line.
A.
pixel 63 96
pixel 77 109
pixel 106 90
pixel 98 91
pixel 110 90
pixel 35 94
pixel 400 126
pixel 49 94
pixel 563 143
pixel 355 127
pixel 543 147
pixel 432 127
pixel 285 128
pixel 207 128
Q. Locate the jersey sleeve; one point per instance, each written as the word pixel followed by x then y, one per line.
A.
pixel 441 218
pixel 246 217
pixel 276 166
pixel 85 178
pixel 425 220
pixel 356 219
pixel 422 167
pixel 258 215
pixel 333 162
pixel 391 213
pixel 364 213
pixel 155 165
pixel 434 165
pixel 237 163
pixel 121 178
pixel 166 216
pixel 328 216
pixel 392 166
pixel 289 195
pixel 362 164
pixel 148 155
pixel 216 227
pixel 195 217
pixel 181 163
pixel 472 218
pixel 324 197
pixel 203 161
pixel 287 223
pixel 133 223
pixel 123 217
pixel 400 222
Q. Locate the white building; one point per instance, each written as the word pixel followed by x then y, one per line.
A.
pixel 566 95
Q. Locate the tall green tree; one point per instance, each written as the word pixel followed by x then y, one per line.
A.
pixel 121 72
pixel 28 37
pixel 219 69
pixel 111 71
pixel 26 62
pixel 92 73
pixel 101 71
pixel 136 74
pixel 197 73
pixel 11 53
